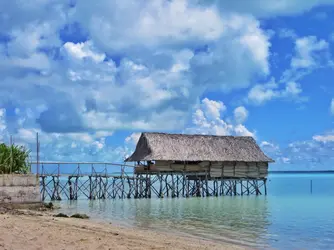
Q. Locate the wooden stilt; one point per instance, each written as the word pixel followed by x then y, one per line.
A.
pixel 265 186
pixel 149 185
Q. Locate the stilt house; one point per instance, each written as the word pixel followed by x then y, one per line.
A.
pixel 235 157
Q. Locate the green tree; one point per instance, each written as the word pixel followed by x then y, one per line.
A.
pixel 14 159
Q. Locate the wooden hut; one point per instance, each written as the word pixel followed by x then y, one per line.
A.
pixel 213 156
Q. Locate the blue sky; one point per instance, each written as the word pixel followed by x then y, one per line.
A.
pixel 89 77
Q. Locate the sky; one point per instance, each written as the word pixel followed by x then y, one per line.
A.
pixel 89 77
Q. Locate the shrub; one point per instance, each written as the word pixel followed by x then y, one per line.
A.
pixel 14 159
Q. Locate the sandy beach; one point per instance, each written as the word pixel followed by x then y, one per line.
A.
pixel 34 230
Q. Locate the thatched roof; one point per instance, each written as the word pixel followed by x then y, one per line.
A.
pixel 182 147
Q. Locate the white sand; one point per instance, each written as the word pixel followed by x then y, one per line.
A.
pixel 25 232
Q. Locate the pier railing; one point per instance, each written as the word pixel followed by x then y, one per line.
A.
pixel 105 169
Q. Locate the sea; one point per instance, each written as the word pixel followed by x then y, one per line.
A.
pixel 297 213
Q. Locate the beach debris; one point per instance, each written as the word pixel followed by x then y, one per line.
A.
pixel 49 205
pixel 80 216
pixel 61 215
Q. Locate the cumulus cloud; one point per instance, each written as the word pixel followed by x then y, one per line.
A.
pixel 84 50
pixel 309 50
pixel 204 121
pixel 262 93
pixel 138 65
pixel 310 54
pixel 147 23
pixel 133 138
pixel 58 146
pixel 244 47
pixel 240 114
pixel 143 67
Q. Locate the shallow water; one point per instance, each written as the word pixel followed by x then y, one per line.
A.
pixel 289 217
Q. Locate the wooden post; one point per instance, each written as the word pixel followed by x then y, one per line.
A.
pixel 177 186
pixel 173 186
pixel 43 188
pixel 130 188
pixel 166 183
pixel 183 184
pixel 136 187
pixel 198 187
pixel 241 187
pixel 58 193
pixel 187 180
pixel 160 188
pixel 265 186
pixel 141 187
pixel 149 187
pixel 256 187
pixel 90 188
pixel 206 184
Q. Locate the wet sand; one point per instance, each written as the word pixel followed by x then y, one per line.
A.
pixel 27 230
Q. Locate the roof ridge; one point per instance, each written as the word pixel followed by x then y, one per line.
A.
pixel 234 136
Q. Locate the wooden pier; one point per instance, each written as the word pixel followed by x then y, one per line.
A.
pixel 119 181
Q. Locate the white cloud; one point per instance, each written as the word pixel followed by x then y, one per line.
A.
pixel 324 138
pixel 59 146
pixel 213 109
pixel 83 50
pixel 122 25
pixel 310 55
pixel 240 114
pixel 204 121
pixel 268 144
pixel 138 65
pixel 27 39
pixel 133 138
pixel 243 48
pixel 307 50
pixel 312 154
pixel 138 69
pixel 241 130
pixel 262 93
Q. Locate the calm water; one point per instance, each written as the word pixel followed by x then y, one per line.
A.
pixel 289 217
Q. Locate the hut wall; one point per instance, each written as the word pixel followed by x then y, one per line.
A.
pixel 216 169
pixel 170 166
pixel 239 169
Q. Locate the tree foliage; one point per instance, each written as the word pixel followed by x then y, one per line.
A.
pixel 14 159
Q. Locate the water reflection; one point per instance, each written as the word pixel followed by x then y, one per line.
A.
pixel 219 218
pixel 288 218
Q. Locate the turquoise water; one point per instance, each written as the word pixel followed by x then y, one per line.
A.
pixel 291 216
